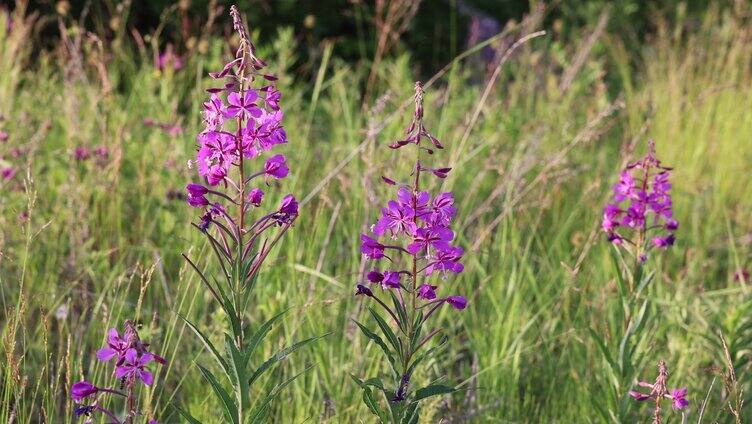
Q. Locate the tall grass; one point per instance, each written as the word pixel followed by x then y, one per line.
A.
pixel 103 243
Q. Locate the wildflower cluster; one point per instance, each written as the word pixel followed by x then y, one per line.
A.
pixel 100 153
pixel 659 392
pixel 131 357
pixel 640 217
pixel 168 60
pixel 243 121
pixel 413 241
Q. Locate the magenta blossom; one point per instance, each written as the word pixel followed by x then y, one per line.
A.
pixel 8 173
pixel 457 302
pixel 83 389
pixel 134 367
pixel 427 292
pixel 371 248
pixel 197 195
pixel 255 197
pixel 243 105
pixel 276 166
pixel 659 392
pixel 416 228
pixel 116 347
pixel 640 217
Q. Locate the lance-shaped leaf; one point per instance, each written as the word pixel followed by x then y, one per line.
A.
pixel 262 407
pixel 209 346
pixel 420 358
pixel 259 335
pixel 370 401
pixel 387 331
pixel 279 356
pixel 229 406
pixel 433 390
pixel 185 414
pixel 238 369
pixel 375 337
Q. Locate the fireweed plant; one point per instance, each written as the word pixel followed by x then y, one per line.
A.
pixel 411 248
pixel 659 392
pixel 637 222
pixel 132 359
pixel 243 122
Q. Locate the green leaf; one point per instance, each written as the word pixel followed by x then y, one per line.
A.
pixel 412 414
pixel 433 390
pixel 280 355
pixel 375 337
pixel 401 313
pixel 604 350
pixel 188 417
pixel 369 400
pixel 260 411
pixel 230 408
pixel 420 358
pixel 238 367
pixel 208 344
pixel 387 331
pixel 259 335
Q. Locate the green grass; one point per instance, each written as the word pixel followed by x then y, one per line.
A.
pixel 531 175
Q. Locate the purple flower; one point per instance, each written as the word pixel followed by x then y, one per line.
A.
pixel 3 136
pixel 679 398
pixel 116 347
pixel 276 166
pixel 442 209
pixel 639 395
pixel 85 410
pixel 363 290
pixel 8 173
pixel 81 153
pixel 205 222
pixel 417 201
pixel 197 195
pixel 391 280
pixel 288 209
pixel 371 248
pixel 133 368
pixel 102 152
pixel 457 302
pixel 664 242
pixel 214 112
pixel 436 237
pixel 256 196
pixel 272 98
pixel 82 389
pixel 169 58
pixel 388 280
pixel 427 292
pixel 447 260
pixel 396 218
pixel 375 276
pixel 641 205
pixel 244 106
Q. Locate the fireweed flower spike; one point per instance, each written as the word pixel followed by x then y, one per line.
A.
pixel 659 392
pixel 640 216
pixel 242 124
pixel 639 222
pixel 411 246
pixel 131 358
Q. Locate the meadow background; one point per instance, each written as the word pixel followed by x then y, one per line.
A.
pixel 536 143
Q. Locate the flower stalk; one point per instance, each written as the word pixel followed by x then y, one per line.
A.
pixel 419 247
pixel 243 122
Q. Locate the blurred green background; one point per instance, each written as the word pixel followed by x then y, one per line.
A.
pixel 536 143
